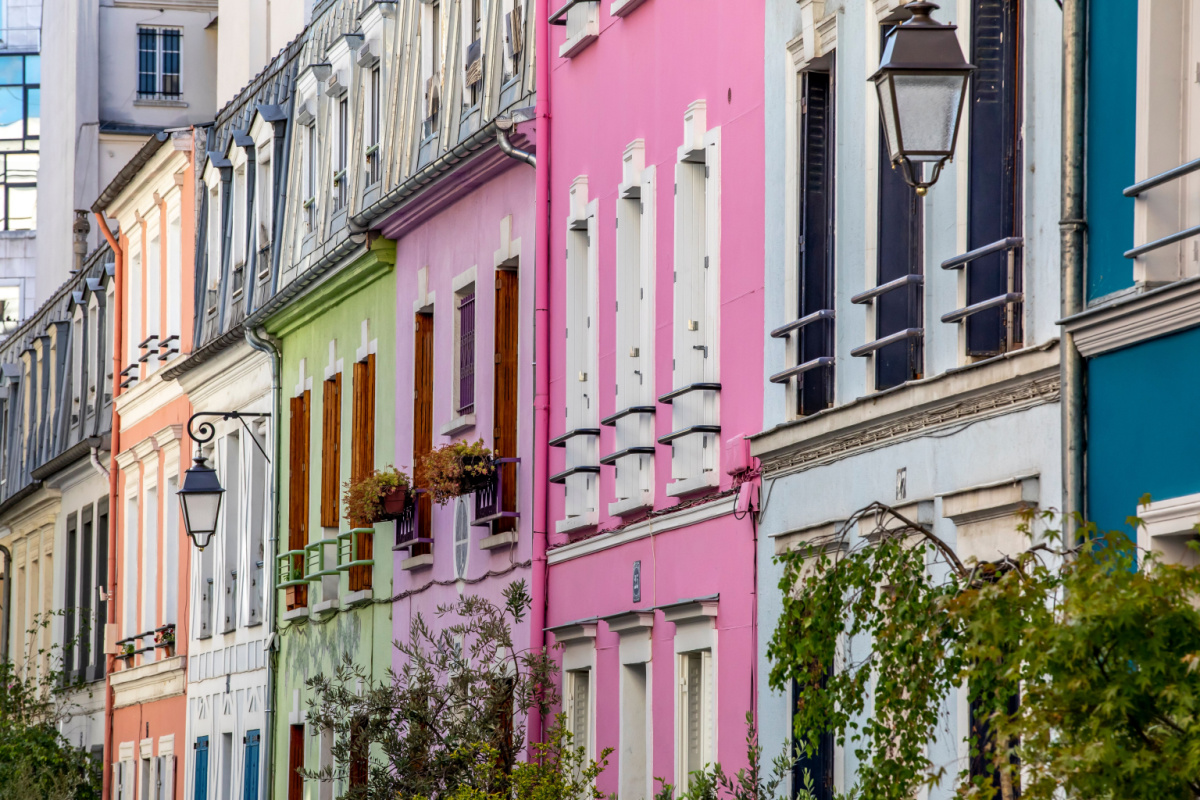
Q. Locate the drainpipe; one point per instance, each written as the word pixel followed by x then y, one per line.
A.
pixel 1073 229
pixel 267 344
pixel 94 459
pixel 4 622
pixel 114 507
pixel 541 347
pixel 503 126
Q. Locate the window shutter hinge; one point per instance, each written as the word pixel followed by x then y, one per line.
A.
pixel 706 170
pixel 706 262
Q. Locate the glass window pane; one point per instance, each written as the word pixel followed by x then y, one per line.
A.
pixel 30 144
pixel 23 167
pixel 8 145
pixel 12 112
pixel 12 70
pixel 33 69
pixel 34 122
pixel 22 208
pixel 147 60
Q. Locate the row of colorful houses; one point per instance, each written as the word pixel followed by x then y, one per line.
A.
pixel 655 255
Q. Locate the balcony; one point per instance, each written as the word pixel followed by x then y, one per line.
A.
pixel 412 528
pixel 496 499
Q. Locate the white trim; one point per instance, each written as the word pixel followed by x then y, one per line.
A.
pixel 1130 321
pixel 640 530
pixel 1168 528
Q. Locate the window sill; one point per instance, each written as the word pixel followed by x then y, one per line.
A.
pixel 573 47
pixel 703 481
pixel 621 8
pixel 630 505
pixel 572 524
pixel 457 425
pixel 361 597
pixel 295 614
pixel 506 539
pixel 417 562
pixel 150 103
pixel 324 606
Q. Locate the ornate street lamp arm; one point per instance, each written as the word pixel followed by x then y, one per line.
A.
pixel 203 432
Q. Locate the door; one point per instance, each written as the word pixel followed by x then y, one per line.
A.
pixel 422 416
pixel 250 773
pixel 201 792
pixel 504 435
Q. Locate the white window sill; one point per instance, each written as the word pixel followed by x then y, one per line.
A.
pixel 417 562
pixel 572 524
pixel 358 598
pixel 573 47
pixel 150 103
pixel 505 539
pixel 630 505
pixel 621 8
pixel 296 613
pixel 325 605
pixel 457 425
pixel 705 480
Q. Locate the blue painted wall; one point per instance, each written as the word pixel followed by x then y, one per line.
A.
pixel 1111 106
pixel 1143 426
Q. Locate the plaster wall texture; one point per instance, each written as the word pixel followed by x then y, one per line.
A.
pixel 363 290
pixel 464 236
pixel 249 34
pixel 983 453
pixel 18 266
pixel 636 81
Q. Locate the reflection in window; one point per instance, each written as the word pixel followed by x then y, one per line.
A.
pixel 20 126
pixel 10 309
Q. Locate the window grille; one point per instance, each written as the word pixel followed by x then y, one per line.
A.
pixel 159 63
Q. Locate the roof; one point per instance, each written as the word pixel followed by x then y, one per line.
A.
pixel 129 171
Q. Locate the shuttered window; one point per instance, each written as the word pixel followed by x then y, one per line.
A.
pixel 298 452
pixel 295 782
pixel 815 340
pixel 362 457
pixel 466 353
pixel 994 175
pixel 819 765
pixel 331 450
pixel 580 707
pixel 200 784
pixel 422 416
pixel 695 710
pixel 505 381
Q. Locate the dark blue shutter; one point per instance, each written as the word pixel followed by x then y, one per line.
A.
pixel 201 784
pixel 994 169
pixel 816 238
pixel 819 765
pixel 147 61
pixel 250 773
pixel 899 253
pixel 170 62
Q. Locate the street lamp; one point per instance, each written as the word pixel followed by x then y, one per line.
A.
pixel 922 81
pixel 200 499
pixel 200 495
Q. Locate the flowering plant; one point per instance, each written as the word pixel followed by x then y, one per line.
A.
pixel 455 469
pixel 165 636
pixel 365 497
pixel 127 649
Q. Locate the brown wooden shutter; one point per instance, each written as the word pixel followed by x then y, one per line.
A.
pixel 362 457
pixel 298 452
pixel 331 450
pixel 423 415
pixel 295 782
pixel 504 396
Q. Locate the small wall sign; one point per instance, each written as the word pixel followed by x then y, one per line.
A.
pixel 637 581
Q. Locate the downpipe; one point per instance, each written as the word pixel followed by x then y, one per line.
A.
pixel 6 621
pixel 503 126
pixel 1073 232
pixel 264 343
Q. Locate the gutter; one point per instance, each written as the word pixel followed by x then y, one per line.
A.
pixel 269 345
pixel 207 352
pixel 114 507
pixel 69 456
pixel 1073 233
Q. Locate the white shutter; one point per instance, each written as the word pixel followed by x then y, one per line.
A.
pixel 166 778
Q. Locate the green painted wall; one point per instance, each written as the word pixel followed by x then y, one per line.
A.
pixel 363 290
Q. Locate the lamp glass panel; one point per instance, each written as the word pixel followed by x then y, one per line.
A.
pixel 887 109
pixel 200 510
pixel 927 109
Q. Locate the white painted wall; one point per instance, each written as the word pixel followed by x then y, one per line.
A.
pixel 251 33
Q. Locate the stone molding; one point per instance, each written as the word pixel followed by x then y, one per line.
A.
pixel 1137 318
pixel 149 682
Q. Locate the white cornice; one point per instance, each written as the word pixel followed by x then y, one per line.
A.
pixel 144 448
pixel 640 530
pixel 146 398
pixel 126 459
pixel 1135 319
pixel 239 375
pixel 148 682
pixel 39 511
pixel 168 435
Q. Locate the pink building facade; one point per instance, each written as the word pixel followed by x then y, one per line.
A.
pixel 656 301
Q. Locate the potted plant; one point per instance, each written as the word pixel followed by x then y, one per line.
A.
pixel 381 494
pixel 455 469
pixel 127 652
pixel 165 640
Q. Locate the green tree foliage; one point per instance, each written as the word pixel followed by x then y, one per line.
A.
pixel 36 761
pixel 1080 660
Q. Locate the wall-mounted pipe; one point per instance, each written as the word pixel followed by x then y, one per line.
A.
pixel 6 620
pixel 503 126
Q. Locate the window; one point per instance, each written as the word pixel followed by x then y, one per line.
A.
pixel 153 296
pixel 164 777
pixel 632 763
pixel 250 767
pixel 374 161
pixel 514 39
pixel 473 65
pixel 174 326
pixel 994 178
pixel 263 207
pixel 70 612
pixel 362 459
pixel 580 476
pixel 695 713
pixel 239 217
pixel 340 176
pixel 171 552
pixel 298 452
pixel 129 547
pixel 578 702
pixel 633 417
pixel 696 374
pixel 232 527
pixel 134 309
pixel 814 342
pixel 97 667
pixel 150 567
pixel 20 128
pixel 466 351
pixel 310 178
pixel 159 63
pixel 432 52
pixel 215 229
pixel 505 386
pixel 331 450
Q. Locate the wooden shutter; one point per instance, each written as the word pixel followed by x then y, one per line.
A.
pixel 423 414
pixel 504 395
pixel 816 238
pixel 898 245
pixel 295 783
pixel 331 450
pixel 358 754
pixel 362 457
pixel 298 456
pixel 994 175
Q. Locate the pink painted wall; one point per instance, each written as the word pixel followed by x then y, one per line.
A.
pixel 465 233
pixel 636 81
